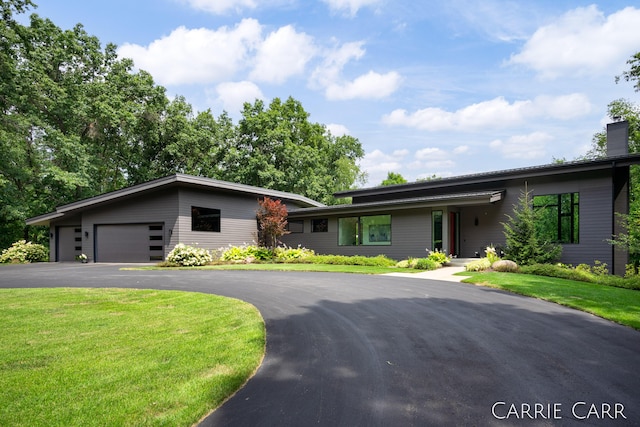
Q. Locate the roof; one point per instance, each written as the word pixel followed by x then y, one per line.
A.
pixel 177 179
pixel 486 177
pixel 475 198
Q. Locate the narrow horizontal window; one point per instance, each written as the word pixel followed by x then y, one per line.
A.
pixel 320 225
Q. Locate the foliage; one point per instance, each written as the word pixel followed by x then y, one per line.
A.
pixel 407 263
pixel 393 178
pixel 478 265
pixel 272 221
pixel 286 254
pixel 439 257
pixel 189 256
pixel 427 264
pixel 23 252
pixel 246 253
pixel 88 122
pixel 491 254
pixel 584 273
pixel 122 357
pixel 377 261
pixel 523 245
pixel 633 74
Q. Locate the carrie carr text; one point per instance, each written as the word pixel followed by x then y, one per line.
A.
pixel 557 411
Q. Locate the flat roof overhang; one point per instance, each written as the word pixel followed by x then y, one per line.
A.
pixel 462 199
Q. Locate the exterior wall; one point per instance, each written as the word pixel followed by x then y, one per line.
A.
pixel 238 223
pixel 410 236
pixel 155 207
pixel 480 225
pixel 60 240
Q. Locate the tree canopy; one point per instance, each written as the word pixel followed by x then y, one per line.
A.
pixel 77 121
pixel 393 178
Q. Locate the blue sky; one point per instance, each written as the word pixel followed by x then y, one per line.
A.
pixel 441 88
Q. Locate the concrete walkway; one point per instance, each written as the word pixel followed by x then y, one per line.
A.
pixel 446 273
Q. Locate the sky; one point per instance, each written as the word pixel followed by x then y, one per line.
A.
pixel 429 88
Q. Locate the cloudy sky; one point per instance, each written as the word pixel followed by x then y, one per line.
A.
pixel 438 87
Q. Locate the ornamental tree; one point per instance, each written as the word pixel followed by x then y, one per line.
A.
pixel 272 221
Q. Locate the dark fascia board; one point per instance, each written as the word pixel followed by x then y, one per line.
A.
pixel 180 179
pixel 486 177
pixel 476 198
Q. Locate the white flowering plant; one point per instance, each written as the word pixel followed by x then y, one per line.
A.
pixel 23 252
pixel 189 256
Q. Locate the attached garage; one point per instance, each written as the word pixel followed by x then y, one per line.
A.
pixel 129 242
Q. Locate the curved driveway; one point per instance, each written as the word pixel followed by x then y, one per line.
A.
pixel 352 350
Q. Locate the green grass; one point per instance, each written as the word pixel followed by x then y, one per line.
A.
pixel 616 304
pixel 98 357
pixel 331 268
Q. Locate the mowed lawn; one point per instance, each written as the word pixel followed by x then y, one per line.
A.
pixel 616 304
pixel 114 357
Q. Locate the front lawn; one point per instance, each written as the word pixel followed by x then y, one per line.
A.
pixel 616 304
pixel 115 357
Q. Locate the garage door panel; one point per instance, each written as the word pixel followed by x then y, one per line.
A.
pixel 129 243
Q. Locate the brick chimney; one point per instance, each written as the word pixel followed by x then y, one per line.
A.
pixel 618 138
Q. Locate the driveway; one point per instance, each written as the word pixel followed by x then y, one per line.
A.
pixel 354 350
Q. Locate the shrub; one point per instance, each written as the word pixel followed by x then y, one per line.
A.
pixel 245 252
pixel 377 261
pixel 505 266
pixel 286 254
pixel 427 264
pixel 23 252
pixel 478 265
pixel 189 256
pixel 491 254
pixel 439 257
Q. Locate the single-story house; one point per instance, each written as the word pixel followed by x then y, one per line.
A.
pixel 144 222
pixel 459 215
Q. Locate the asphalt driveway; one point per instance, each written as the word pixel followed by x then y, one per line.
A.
pixel 354 350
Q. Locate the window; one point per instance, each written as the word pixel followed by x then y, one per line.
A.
pixel 436 230
pixel 205 219
pixel 295 226
pixel 366 230
pixel 319 225
pixel 558 217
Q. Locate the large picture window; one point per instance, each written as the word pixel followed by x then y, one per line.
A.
pixel 558 217
pixel 372 230
pixel 205 219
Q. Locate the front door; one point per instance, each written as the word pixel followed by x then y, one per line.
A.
pixel 454 233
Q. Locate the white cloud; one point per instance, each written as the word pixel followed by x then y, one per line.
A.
pixel 218 7
pixel 531 146
pixel 338 130
pixel 582 42
pixel 462 149
pixel 350 7
pixel 368 86
pixel 283 54
pixel 334 61
pixel 430 154
pixel 233 95
pixel 495 113
pixel 377 162
pixel 198 55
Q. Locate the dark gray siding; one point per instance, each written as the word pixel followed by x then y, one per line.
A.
pixel 410 236
pixel 238 223
pixel 160 207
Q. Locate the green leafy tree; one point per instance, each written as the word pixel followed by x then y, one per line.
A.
pixel 278 147
pixel 523 243
pixel 393 178
pixel 633 74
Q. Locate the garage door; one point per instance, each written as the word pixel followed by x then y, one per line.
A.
pixel 129 243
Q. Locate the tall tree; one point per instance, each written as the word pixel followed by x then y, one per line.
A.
pixel 393 178
pixel 633 74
